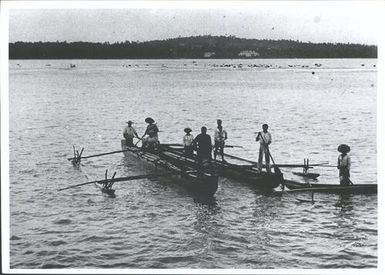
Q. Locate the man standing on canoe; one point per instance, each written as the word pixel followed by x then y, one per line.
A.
pixel 188 143
pixel 129 133
pixel 264 139
pixel 344 164
pixel 203 146
pixel 220 135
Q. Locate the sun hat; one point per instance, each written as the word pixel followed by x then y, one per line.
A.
pixel 343 148
pixel 187 130
pixel 149 120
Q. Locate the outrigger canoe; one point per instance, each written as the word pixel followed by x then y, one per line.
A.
pixel 202 184
pixel 332 188
pixel 243 173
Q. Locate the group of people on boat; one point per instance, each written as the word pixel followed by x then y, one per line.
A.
pixel 203 146
pixel 149 139
pixel 202 143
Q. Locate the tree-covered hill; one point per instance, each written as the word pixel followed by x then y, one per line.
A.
pixel 190 47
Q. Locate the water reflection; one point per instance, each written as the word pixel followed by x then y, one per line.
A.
pixel 249 229
pixel 211 202
pixel 206 209
pixel 345 203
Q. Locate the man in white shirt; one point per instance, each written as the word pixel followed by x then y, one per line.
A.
pixel 129 133
pixel 220 135
pixel 188 143
pixel 264 139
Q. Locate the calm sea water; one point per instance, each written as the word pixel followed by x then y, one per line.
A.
pixel 310 108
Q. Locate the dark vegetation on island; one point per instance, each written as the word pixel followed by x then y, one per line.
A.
pixel 190 47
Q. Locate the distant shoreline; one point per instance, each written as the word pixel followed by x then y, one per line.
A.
pixel 197 47
pixel 192 58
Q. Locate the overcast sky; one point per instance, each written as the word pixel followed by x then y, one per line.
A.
pixel 324 21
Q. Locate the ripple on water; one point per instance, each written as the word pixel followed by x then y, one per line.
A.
pixel 51 266
pixel 63 221
pixel 153 224
pixel 57 243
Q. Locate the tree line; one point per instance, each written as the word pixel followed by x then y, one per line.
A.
pixel 190 47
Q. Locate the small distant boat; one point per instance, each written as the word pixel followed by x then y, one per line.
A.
pixel 202 184
pixel 332 188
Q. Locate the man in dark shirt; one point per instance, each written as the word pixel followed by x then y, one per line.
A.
pixel 202 143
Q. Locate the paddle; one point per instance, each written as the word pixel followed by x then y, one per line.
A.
pixel 119 179
pixel 276 168
pixel 140 138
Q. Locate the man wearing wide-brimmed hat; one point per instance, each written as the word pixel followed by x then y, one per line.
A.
pixel 151 141
pixel 344 164
pixel 129 132
pixel 188 143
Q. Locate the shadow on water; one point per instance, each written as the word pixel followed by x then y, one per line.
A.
pixel 210 202
pixel 206 210
pixel 345 204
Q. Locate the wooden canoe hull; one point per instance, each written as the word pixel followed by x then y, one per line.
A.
pixel 204 185
pixel 332 188
pixel 249 175
pixel 241 173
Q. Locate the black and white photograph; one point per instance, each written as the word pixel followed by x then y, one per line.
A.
pixel 192 137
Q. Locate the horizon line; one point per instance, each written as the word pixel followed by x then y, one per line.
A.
pixel 194 36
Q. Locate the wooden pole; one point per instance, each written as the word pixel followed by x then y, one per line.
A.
pixel 148 176
pixel 102 154
pixel 140 139
pixel 284 165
